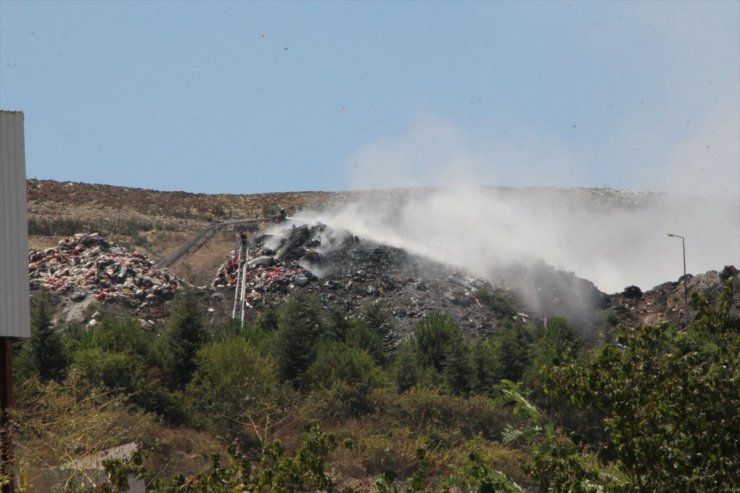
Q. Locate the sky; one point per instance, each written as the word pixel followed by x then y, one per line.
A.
pixel 251 97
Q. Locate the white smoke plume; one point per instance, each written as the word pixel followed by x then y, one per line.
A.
pixel 613 238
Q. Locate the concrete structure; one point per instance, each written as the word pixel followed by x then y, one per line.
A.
pixel 14 294
pixel 14 290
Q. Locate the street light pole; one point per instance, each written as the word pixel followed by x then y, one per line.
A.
pixel 685 284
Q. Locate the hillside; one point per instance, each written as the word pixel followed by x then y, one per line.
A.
pixel 424 373
pixel 154 223
pixel 150 221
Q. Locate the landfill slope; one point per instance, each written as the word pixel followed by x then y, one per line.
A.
pixel 341 269
pixel 85 271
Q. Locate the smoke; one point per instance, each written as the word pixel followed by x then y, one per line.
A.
pixel 613 238
pixel 680 139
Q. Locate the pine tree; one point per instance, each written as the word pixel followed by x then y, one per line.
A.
pixel 435 334
pixel 457 368
pixel 48 354
pixel 300 330
pixel 183 336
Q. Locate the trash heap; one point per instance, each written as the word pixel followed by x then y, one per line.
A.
pixel 266 272
pixel 666 302
pixel 342 269
pixel 86 266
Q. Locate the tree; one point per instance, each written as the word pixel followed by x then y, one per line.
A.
pixel 483 365
pixel 183 336
pixel 360 336
pixel 457 367
pixel 300 329
pixel 511 345
pixel 47 351
pixel 381 323
pixel 123 335
pixel 116 370
pixel 406 367
pixel 435 334
pixel 554 344
pixel 669 402
pixel 441 347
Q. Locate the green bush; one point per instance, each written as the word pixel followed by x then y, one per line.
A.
pixel 554 344
pixel 116 370
pixel 440 346
pixel 484 368
pixel 450 418
pixel 382 324
pixel 123 335
pixel 234 388
pixel 511 345
pixel 350 373
pixel 406 369
pixel 359 335
pixel 434 335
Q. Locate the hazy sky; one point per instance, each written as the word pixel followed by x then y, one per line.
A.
pixel 246 97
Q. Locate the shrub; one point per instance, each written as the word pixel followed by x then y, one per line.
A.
pixel 382 324
pixel 360 336
pixel 483 368
pixel 116 370
pixel 669 402
pixel 124 336
pixel 451 418
pixel 234 388
pixel 406 370
pixel 349 372
pixel 511 345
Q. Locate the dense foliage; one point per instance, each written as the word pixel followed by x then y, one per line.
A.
pixel 654 409
pixel 669 402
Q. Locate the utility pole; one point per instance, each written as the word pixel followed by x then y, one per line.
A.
pixel 685 283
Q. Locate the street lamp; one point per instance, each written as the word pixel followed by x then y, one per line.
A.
pixel 685 284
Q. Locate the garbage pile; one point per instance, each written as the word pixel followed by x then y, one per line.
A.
pixel 86 266
pixel 266 271
pixel 341 269
pixel 666 302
